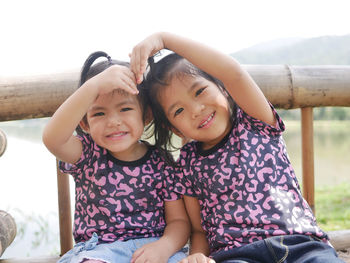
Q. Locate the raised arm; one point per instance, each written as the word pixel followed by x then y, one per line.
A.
pixel 58 133
pixel 237 81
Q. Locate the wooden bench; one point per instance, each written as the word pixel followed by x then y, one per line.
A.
pixel 286 87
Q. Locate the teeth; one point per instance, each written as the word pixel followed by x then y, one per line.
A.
pixel 208 120
pixel 117 134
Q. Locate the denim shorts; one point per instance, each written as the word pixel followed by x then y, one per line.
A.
pixel 281 249
pixel 118 251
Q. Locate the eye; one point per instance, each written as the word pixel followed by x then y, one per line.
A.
pixel 97 114
pixel 178 111
pixel 199 91
pixel 126 109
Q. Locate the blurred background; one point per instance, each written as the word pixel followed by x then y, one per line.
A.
pixel 43 37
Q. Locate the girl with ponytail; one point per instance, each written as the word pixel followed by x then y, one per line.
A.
pixel 125 209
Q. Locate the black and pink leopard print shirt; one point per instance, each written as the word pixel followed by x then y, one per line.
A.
pixel 246 186
pixel 116 199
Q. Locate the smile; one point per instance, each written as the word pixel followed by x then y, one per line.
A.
pixel 116 135
pixel 207 121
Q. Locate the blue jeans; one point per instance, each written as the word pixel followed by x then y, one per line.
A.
pixel 118 251
pixel 293 248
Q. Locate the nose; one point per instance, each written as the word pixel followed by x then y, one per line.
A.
pixel 196 109
pixel 114 120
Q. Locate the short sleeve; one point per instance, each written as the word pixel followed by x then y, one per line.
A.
pixel 168 187
pixel 77 168
pixel 260 127
pixel 183 177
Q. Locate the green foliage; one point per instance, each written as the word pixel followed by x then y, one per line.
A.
pixel 324 113
pixel 333 207
pixel 325 50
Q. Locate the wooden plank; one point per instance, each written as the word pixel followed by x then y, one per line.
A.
pixel 307 145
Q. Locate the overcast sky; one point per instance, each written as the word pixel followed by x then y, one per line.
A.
pixel 43 36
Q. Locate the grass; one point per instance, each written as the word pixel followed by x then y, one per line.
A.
pixel 333 207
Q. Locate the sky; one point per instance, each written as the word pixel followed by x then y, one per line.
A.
pixel 52 36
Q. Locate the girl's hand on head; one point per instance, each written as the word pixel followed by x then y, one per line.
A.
pixel 197 258
pixel 142 51
pixel 116 77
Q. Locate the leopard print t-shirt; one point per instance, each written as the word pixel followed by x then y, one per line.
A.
pixel 246 186
pixel 116 199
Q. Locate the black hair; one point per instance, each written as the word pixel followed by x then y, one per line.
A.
pixel 159 75
pixel 90 70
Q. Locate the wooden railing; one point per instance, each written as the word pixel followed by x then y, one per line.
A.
pixel 286 87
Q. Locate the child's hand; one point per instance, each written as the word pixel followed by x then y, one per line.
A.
pixel 197 258
pixel 155 252
pixel 115 77
pixel 142 51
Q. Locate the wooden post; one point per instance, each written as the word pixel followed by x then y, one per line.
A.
pixel 64 211
pixel 307 145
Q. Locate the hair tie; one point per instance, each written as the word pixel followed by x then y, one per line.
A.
pixel 109 59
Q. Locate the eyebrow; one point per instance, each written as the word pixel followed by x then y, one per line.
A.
pixel 120 104
pixel 193 86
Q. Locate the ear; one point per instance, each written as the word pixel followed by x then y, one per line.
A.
pixel 84 125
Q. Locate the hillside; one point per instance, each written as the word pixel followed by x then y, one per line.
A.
pixel 325 50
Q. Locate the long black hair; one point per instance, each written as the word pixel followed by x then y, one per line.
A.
pixel 90 70
pixel 160 75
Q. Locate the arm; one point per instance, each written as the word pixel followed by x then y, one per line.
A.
pixel 237 81
pixel 199 243
pixel 199 247
pixel 175 236
pixel 58 133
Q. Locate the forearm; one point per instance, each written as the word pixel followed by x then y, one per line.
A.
pixel 62 124
pixel 204 57
pixel 176 235
pixel 199 243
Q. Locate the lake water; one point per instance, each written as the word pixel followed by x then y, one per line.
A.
pixel 28 187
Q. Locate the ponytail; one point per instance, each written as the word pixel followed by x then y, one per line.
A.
pixel 88 62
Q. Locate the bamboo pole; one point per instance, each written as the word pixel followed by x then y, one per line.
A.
pixel 285 87
pixel 307 145
pixel 64 211
pixel 35 96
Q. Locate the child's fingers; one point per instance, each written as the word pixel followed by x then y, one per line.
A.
pixel 135 62
pixel 129 81
pixel 138 60
pixel 136 255
pixel 129 85
pixel 140 66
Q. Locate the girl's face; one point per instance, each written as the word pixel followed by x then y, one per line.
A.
pixel 115 123
pixel 197 108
